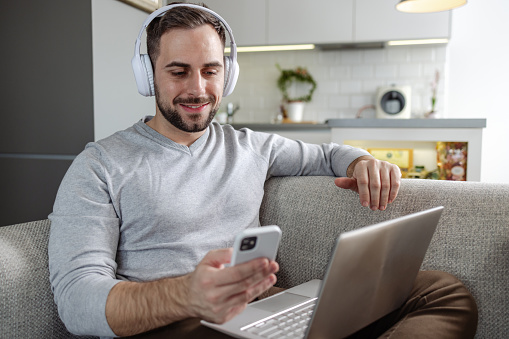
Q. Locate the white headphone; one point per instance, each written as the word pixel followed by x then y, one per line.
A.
pixel 142 66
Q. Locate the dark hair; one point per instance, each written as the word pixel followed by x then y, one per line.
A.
pixel 179 17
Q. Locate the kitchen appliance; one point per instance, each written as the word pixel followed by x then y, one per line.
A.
pixel 393 102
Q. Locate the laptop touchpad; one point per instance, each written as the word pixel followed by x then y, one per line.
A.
pixel 279 302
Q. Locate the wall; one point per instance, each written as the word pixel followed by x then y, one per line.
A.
pixel 478 68
pixel 47 111
pixel 347 80
pixel 117 104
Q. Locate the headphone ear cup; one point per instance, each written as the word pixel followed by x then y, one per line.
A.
pixel 148 73
pixel 226 72
pixel 142 68
pixel 231 74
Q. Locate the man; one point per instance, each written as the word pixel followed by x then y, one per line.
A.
pixel 144 220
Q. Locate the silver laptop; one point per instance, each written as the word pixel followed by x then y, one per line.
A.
pixel 370 274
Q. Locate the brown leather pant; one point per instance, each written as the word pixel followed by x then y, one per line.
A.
pixel 439 306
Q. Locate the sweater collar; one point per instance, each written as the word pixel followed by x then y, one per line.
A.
pixel 168 142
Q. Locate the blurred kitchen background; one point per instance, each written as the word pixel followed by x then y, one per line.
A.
pixel 67 77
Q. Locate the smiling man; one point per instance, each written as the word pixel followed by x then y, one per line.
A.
pixel 144 220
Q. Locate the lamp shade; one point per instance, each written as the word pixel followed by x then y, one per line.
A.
pixel 428 6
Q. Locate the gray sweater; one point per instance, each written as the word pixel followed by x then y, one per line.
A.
pixel 137 206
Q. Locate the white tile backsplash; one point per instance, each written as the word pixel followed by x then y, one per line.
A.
pixel 347 80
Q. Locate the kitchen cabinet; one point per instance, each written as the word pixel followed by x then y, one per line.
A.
pixel 273 22
pixel 246 18
pixel 380 21
pixel 317 21
pixel 421 135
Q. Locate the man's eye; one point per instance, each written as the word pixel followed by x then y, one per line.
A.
pixel 178 73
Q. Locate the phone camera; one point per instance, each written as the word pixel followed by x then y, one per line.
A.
pixel 248 243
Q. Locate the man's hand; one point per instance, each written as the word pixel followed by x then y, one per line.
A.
pixel 217 294
pixel 377 182
pixel 211 292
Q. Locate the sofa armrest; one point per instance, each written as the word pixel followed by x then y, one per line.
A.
pixel 27 309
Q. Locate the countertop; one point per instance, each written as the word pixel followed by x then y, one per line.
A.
pixel 282 126
pixel 407 123
pixel 367 123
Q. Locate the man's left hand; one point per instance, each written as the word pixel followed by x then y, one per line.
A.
pixel 377 182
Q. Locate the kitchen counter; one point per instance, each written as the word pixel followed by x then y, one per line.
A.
pixel 420 135
pixel 367 123
pixel 407 123
pixel 307 132
pixel 282 127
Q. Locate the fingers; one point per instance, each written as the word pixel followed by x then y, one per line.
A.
pixel 217 294
pixel 362 176
pixel 378 183
pixel 395 176
pixel 346 183
pixel 238 279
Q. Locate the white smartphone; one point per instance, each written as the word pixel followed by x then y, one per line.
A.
pixel 259 242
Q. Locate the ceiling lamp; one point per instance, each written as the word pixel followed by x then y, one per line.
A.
pixel 428 6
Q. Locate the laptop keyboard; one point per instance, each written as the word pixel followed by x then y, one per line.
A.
pixel 291 323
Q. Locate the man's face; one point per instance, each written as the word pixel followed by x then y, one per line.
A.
pixel 189 77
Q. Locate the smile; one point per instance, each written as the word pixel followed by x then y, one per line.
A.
pixel 194 108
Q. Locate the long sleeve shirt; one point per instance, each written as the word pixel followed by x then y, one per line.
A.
pixel 137 206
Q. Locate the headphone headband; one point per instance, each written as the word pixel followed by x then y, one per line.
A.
pixel 142 66
pixel 161 11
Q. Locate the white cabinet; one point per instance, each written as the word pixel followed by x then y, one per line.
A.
pixel 420 135
pixel 246 18
pixel 304 21
pixel 273 22
pixel 377 20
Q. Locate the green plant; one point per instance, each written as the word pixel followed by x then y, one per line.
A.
pixel 292 76
pixel 434 86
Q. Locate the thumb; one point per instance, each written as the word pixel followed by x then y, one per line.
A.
pixel 217 258
pixel 346 183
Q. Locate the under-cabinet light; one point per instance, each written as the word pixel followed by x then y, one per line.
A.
pixel 271 48
pixel 417 42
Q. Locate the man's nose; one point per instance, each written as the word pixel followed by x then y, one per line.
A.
pixel 196 84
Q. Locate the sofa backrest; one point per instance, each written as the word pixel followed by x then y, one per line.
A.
pixel 471 242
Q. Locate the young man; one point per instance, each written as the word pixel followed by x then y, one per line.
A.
pixel 144 220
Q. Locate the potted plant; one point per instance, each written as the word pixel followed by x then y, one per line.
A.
pixel 297 87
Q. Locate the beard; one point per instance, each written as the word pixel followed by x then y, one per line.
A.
pixel 197 123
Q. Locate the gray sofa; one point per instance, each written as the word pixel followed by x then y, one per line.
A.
pixel 472 242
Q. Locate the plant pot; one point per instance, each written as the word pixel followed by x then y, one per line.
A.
pixel 295 111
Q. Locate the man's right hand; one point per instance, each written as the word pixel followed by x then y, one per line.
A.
pixel 211 292
pixel 217 294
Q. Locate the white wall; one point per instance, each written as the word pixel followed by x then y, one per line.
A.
pixel 347 80
pixel 478 64
pixel 117 104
